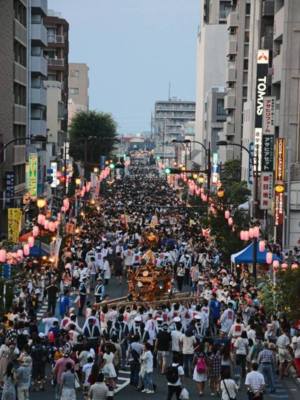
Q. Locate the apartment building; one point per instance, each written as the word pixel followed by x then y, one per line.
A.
pixel 211 58
pixel 78 89
pixel 57 53
pixel 13 95
pixel 238 26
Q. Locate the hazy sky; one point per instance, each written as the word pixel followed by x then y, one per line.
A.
pixel 133 48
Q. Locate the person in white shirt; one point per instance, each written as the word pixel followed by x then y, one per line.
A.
pixel 176 336
pixel 284 356
pixel 228 387
pixel 227 319
pixel 86 370
pixel 147 369
pixel 188 341
pixel 255 383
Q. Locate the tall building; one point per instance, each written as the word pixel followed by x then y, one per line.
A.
pixel 78 89
pixel 13 94
pixel 211 58
pixel 238 26
pixel 58 64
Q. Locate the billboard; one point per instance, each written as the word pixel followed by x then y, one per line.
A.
pixel 280 159
pixel 33 174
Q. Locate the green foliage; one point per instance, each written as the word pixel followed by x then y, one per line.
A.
pixel 288 293
pixel 236 191
pixel 100 131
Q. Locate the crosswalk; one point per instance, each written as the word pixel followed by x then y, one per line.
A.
pixel 123 380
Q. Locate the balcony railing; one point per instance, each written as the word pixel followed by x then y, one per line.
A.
pixel 59 39
pixel 56 62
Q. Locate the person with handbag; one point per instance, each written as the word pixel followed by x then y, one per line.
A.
pixel 228 387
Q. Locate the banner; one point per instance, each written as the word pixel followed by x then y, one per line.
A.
pixel 268 123
pixel 279 208
pixel 267 153
pixel 262 69
pixel 9 187
pixel 266 190
pixel 33 174
pixel 14 221
pixel 280 159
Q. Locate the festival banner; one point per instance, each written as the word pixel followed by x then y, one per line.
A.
pixel 33 174
pixel 14 221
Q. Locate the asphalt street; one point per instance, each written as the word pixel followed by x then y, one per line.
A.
pixel 286 390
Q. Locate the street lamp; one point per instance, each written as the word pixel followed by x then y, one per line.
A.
pixel 41 203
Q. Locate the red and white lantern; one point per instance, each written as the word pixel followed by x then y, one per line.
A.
pixel 2 255
pixel 262 246
pixel 269 257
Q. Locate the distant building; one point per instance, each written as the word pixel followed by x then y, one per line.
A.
pixel 78 89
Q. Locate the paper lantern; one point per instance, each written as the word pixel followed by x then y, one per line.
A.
pixel 2 255
pixel 284 266
pixel 20 253
pixel 276 268
pixel 246 236
pixel 251 233
pixel 230 221
pixel 227 214
pixel 256 232
pixel 46 224
pixel 204 197
pixel 26 249
pixel 66 204
pixel 31 241
pixel 269 257
pixel 275 264
pixel 294 266
pixel 35 231
pixel 242 235
pixel 41 219
pixel 262 246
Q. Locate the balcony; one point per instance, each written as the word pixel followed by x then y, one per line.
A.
pixel 39 96
pixel 231 47
pixel 267 42
pixel 232 20
pixel 20 74
pixel 277 68
pixel 41 4
pixel 39 65
pixel 267 8
pixel 19 114
pixel 56 62
pixel 39 33
pixel 231 74
pixel 56 39
pixel 20 33
pixel 19 154
pixel 228 129
pixel 229 100
pixel 279 23
pixel 38 127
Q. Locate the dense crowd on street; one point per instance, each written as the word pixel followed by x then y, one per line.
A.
pixel 218 338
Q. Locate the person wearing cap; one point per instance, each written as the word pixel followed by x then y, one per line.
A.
pixel 162 347
pixel 99 290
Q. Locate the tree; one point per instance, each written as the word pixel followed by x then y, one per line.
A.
pixel 92 134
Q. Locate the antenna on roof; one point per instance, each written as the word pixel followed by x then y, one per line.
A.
pixel 169 91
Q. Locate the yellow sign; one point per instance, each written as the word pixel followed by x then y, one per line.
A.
pixel 33 174
pixel 14 221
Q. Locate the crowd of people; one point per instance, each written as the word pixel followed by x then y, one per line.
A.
pixel 218 337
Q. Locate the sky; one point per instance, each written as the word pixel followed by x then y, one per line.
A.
pixel 133 48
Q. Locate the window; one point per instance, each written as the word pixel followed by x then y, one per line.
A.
pixel 225 8
pixel 20 53
pixel 20 12
pixel 19 171
pixel 19 131
pixel 245 64
pixel 248 8
pixel 74 73
pixel 247 36
pixel 20 94
pixel 73 91
pixel 36 19
pixel 52 77
pixel 36 51
pixel 245 91
pixel 220 107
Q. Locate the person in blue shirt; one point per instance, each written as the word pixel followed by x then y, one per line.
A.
pixel 214 314
pixel 64 303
